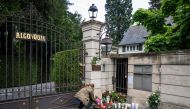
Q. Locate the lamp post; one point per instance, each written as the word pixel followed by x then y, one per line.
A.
pixel 105 43
pixel 93 10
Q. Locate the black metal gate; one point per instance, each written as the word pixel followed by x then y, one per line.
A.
pixel 121 75
pixel 40 68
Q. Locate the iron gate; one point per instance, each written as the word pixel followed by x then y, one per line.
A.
pixel 40 68
pixel 121 75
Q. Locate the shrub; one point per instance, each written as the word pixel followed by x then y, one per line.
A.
pixel 66 70
pixel 154 100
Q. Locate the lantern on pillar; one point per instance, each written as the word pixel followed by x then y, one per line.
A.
pixel 93 10
pixel 106 44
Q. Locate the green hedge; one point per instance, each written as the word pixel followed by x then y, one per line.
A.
pixel 66 70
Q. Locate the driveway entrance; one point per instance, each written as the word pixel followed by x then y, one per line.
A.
pixel 40 66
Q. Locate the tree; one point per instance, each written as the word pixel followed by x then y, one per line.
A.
pixel 118 18
pixel 164 37
pixel 54 11
pixel 180 10
pixel 153 20
pixel 154 4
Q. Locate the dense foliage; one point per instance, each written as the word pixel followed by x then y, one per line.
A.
pixel 154 100
pixel 54 11
pixel 66 69
pixel 157 43
pixel 149 18
pixel 164 37
pixel 118 18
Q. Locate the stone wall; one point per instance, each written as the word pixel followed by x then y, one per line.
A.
pixel 107 73
pixel 140 96
pixel 102 79
pixel 170 75
pixel 175 80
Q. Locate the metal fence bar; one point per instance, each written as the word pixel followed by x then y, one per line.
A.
pixel 41 67
pixel 70 62
pixel 6 50
pixel 63 62
pixel 46 59
pixel 59 63
pixel 75 72
pixel 78 66
pixel 51 59
pixel 12 67
pixel 30 78
pixel 55 35
pixel 25 57
pixel 36 30
pixel 19 58
pixel 66 85
pixel 122 80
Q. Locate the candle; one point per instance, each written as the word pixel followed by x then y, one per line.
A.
pixel 136 106
pixel 123 106
pixel 128 105
pixel 115 105
pixel 133 106
pixel 119 105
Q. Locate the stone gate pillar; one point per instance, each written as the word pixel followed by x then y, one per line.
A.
pixel 91 40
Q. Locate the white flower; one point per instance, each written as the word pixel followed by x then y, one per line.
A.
pixel 156 101
pixel 147 103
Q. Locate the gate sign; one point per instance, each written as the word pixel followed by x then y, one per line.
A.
pixel 28 36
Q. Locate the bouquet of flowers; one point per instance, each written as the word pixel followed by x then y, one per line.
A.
pixel 103 104
pixel 109 99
